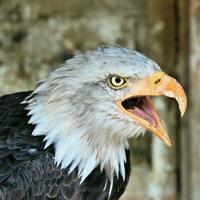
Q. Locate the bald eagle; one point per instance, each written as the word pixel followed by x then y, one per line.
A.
pixel 69 138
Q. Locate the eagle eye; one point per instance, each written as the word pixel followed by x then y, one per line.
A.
pixel 117 82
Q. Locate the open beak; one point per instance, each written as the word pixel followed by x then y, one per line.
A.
pixel 138 104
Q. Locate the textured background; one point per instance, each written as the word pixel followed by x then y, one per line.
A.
pixel 38 35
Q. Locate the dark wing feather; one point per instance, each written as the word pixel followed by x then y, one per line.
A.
pixel 27 171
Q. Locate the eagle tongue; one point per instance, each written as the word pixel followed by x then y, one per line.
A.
pixel 145 112
pixel 146 115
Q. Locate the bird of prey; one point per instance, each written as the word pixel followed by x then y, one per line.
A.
pixel 69 138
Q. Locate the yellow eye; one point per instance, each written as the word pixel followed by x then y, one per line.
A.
pixel 117 82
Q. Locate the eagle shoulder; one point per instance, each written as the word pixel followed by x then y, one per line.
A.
pixel 28 171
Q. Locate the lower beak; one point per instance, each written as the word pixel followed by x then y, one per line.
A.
pixel 157 84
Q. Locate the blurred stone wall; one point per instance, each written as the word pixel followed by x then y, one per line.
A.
pixel 37 35
pixel 194 93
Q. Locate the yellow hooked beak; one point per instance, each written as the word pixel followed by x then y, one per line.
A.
pixel 138 105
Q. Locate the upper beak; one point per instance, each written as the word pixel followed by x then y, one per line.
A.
pixel 157 84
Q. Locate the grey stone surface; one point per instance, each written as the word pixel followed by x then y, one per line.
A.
pixel 36 36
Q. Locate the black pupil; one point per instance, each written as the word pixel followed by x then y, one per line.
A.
pixel 118 80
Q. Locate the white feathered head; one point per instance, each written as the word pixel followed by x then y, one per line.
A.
pixel 89 107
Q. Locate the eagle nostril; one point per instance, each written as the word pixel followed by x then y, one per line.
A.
pixel 157 81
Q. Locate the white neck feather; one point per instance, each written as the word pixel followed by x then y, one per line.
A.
pixel 82 137
pixel 85 146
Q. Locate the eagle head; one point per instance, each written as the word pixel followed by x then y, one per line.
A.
pixel 90 106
